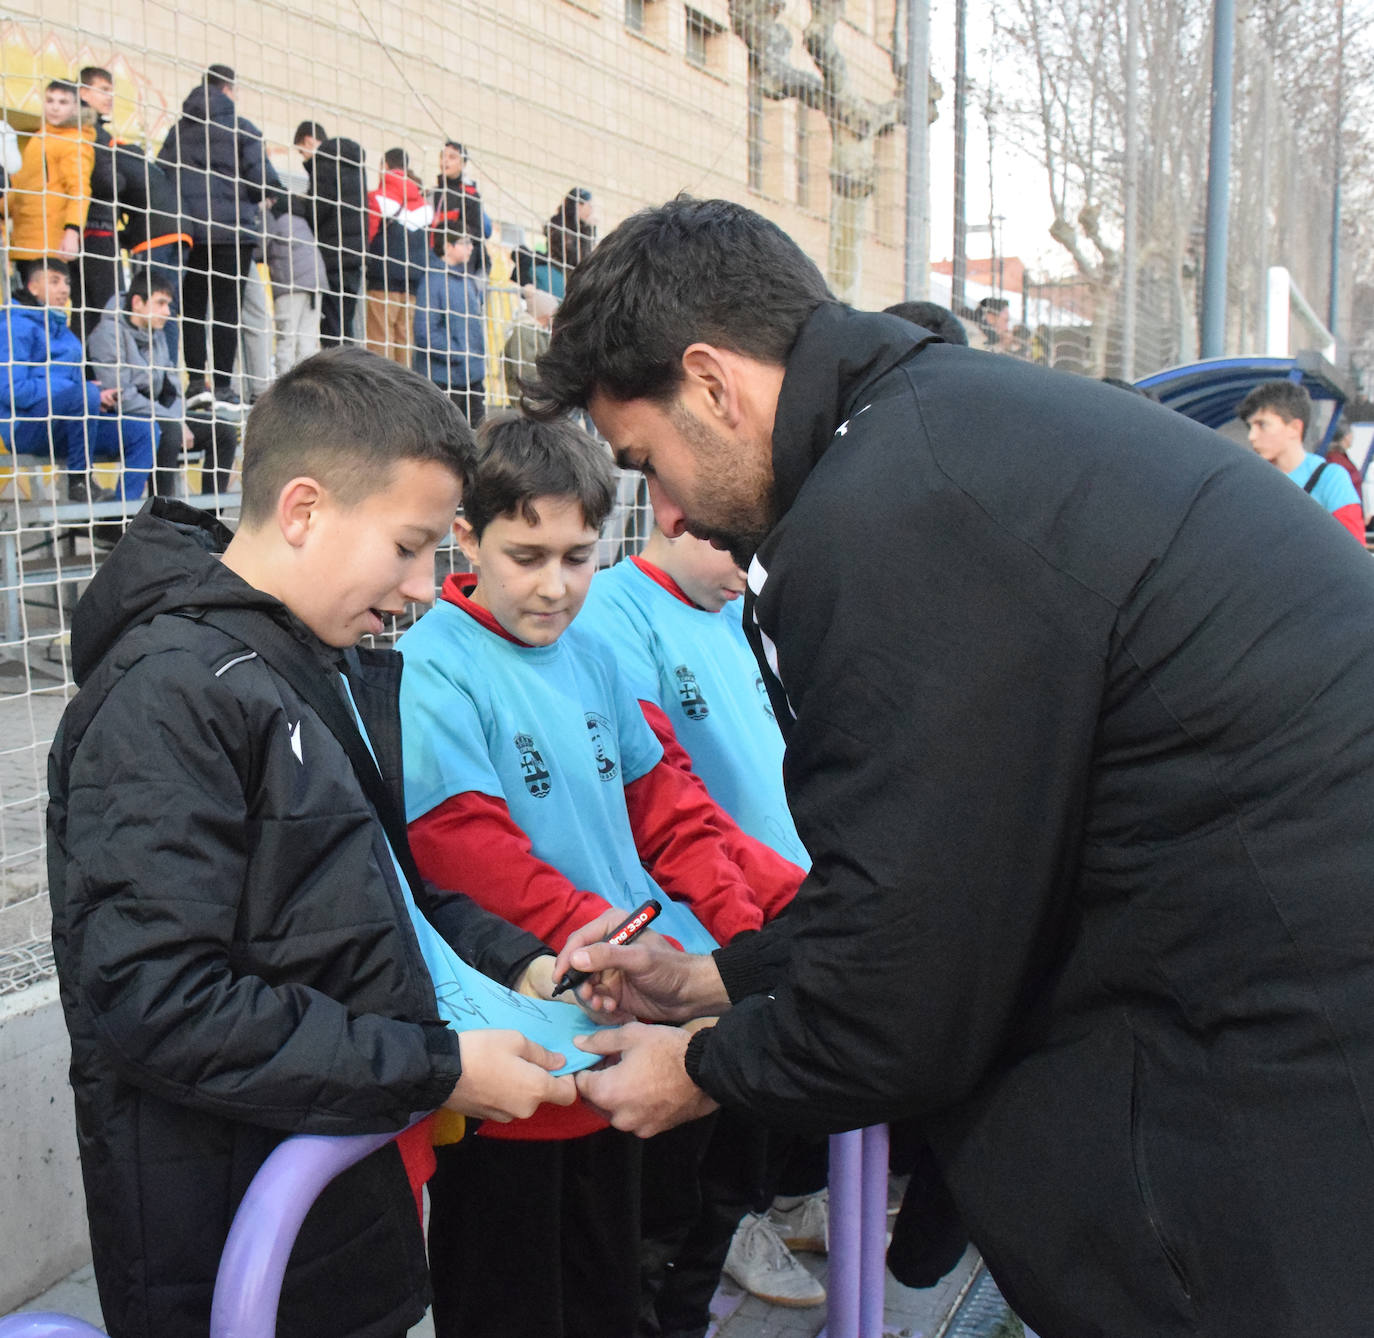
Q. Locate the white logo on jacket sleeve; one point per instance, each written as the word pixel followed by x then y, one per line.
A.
pixel 758 578
pixel 294 732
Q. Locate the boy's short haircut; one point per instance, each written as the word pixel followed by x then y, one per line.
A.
pixel 308 130
pixel 1286 398
pixel 345 418
pixel 90 73
pixel 62 86
pixel 220 76
pixel 519 460
pixel 144 284
pixel 41 265
pixel 396 160
pixel 455 236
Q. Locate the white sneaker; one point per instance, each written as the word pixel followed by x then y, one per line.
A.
pixel 805 1223
pixel 760 1263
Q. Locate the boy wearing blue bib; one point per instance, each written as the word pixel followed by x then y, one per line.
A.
pixel 532 776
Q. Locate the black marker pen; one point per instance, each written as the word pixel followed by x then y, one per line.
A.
pixel 622 934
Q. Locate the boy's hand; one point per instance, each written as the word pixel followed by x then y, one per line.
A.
pixel 109 398
pixel 506 1076
pixel 537 979
pixel 645 979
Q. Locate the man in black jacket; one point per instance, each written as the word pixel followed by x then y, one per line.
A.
pixel 1079 705
pixel 219 163
pixel 236 956
pixel 337 214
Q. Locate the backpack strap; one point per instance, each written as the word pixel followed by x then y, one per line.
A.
pixel 303 671
pixel 1316 474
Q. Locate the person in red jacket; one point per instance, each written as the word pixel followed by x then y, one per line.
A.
pixel 532 776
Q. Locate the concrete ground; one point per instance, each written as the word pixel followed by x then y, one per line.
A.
pixel 907 1313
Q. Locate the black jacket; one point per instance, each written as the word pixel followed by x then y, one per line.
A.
pixel 220 167
pixel 338 202
pixel 458 208
pixel 235 960
pixel 1079 702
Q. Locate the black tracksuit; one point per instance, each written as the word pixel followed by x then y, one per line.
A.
pixel 1079 704
pixel 235 957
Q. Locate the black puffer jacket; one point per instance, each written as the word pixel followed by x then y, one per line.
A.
pixel 1080 736
pixel 220 167
pixel 236 963
pixel 337 207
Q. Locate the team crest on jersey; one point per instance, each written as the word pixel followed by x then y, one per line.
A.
pixel 762 688
pixel 599 729
pixel 532 769
pixel 689 694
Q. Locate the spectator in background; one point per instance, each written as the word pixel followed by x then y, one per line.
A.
pixel 528 338
pixel 993 320
pixel 450 345
pixel 933 317
pixel 458 207
pixel 1277 414
pixel 128 352
pixel 220 167
pixel 94 271
pixel 11 160
pixel 338 218
pixel 1338 453
pixel 298 277
pixel 50 193
pixel 572 231
pixel 398 217
pixel 54 410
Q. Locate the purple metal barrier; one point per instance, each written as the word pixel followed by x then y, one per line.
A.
pixel 44 1324
pixel 857 1279
pixel 251 1269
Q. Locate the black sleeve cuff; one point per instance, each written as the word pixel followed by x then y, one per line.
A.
pixel 442 1045
pixel 696 1052
pixel 748 964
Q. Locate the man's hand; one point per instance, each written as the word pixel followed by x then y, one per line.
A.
pixel 70 244
pixel 647 1089
pixel 506 1076
pixel 648 978
pixel 109 399
pixel 188 439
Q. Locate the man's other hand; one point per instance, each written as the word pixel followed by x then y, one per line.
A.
pixel 646 1089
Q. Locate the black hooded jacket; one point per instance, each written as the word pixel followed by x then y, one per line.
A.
pixel 1079 704
pixel 220 167
pixel 338 205
pixel 235 959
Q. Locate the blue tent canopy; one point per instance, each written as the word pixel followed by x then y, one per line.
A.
pixel 1208 391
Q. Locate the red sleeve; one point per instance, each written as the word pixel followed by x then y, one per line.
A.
pixel 773 880
pixel 470 843
pixel 670 815
pixel 1352 517
pixel 374 216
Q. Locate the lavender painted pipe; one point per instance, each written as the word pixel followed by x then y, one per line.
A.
pixel 846 1216
pixel 873 1233
pixel 45 1324
pixel 251 1269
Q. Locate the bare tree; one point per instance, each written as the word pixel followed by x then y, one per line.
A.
pixel 856 122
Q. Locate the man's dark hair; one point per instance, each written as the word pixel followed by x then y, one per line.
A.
pixel 1286 398
pixel 144 284
pixel 62 86
pixel 688 270
pixel 454 144
pixel 520 460
pixel 1341 430
pixel 309 130
pixel 220 76
pixel 90 73
pixel 346 417
pixel 396 160
pixel 933 317
pixel 993 304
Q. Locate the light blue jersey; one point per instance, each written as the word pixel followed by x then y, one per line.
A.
pixel 699 669
pixel 549 730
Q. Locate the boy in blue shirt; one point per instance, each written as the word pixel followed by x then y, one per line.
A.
pixel 532 778
pixel 450 345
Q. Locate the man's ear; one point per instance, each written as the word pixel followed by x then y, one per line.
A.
pixel 297 504
pixel 467 538
pixel 711 382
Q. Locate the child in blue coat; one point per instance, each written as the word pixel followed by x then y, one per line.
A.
pixel 450 346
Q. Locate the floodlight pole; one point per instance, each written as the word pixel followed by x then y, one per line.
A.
pixel 916 286
pixel 1130 198
pixel 1334 294
pixel 960 266
pixel 1218 181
